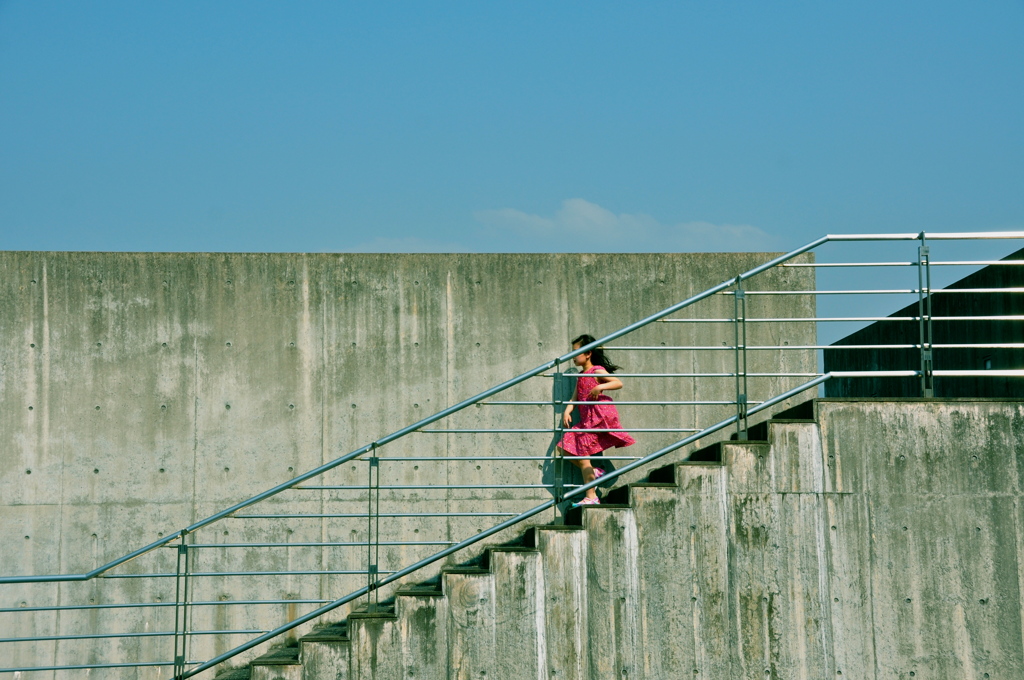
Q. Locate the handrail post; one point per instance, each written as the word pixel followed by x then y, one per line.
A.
pixel 372 531
pixel 924 313
pixel 740 354
pixel 181 607
pixel 557 394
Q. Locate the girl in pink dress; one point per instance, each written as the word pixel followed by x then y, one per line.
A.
pixel 591 387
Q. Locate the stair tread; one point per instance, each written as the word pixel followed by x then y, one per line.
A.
pixel 465 570
pixel 384 611
pixel 235 674
pixel 285 656
pixel 333 633
pixel 420 591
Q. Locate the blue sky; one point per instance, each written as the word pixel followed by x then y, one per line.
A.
pixel 505 127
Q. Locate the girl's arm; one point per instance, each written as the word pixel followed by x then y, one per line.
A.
pixel 567 416
pixel 605 382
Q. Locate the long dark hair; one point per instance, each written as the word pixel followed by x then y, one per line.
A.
pixel 597 355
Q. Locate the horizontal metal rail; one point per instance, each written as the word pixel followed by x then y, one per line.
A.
pixel 933 263
pixel 90 667
pixel 418 487
pixel 312 572
pixel 147 605
pixel 353 515
pixel 960 345
pixel 550 430
pixel 464 459
pixel 617 402
pixel 109 636
pixel 804 320
pixel 354 544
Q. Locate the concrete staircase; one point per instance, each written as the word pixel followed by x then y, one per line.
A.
pixel 631 588
pixel 771 558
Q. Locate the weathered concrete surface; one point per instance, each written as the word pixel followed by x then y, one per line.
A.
pixel 423 635
pixel 325 654
pixel 612 593
pixel 942 485
pixel 375 647
pixel 682 558
pixel 472 643
pixel 141 392
pixel 520 636
pixel 564 567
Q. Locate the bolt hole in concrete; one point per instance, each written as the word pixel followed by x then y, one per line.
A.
pixel 99 344
pixel 33 281
pixel 26 538
pixel 28 472
pixel 227 344
pixel 95 471
pixel 415 467
pixel 907 600
pixel 163 407
pixel 97 408
pixel 29 408
pixel 291 469
pixel 291 406
pixel 227 469
pixel 32 344
pixel 162 470
pixel 227 407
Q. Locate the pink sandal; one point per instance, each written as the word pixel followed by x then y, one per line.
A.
pixel 587 501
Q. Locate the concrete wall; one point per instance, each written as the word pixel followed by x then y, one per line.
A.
pixel 141 392
pixel 885 541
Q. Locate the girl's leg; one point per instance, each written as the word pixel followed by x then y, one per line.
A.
pixel 588 473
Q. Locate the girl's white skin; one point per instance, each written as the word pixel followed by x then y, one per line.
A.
pixel 604 382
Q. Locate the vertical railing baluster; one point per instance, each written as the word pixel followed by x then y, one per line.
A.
pixel 924 314
pixel 740 354
pixel 372 528
pixel 557 399
pixel 181 599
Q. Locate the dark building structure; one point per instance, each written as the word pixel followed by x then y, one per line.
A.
pixel 945 331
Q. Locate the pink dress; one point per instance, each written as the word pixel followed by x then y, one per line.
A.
pixel 601 416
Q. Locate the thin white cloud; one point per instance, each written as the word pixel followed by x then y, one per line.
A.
pixel 581 226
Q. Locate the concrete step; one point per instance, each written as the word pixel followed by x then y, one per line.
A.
pixel 325 653
pixel 278 664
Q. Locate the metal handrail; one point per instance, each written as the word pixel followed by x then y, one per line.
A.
pixel 747 408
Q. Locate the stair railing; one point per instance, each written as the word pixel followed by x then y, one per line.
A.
pixel 182 566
